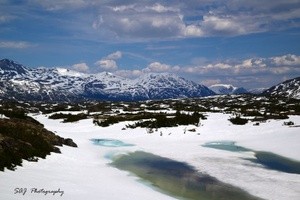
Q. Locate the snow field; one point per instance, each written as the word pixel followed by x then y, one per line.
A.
pixel 84 172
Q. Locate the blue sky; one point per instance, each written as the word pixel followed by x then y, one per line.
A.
pixel 245 43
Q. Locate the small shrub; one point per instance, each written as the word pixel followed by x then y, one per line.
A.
pixel 238 120
pixel 68 117
pixel 290 123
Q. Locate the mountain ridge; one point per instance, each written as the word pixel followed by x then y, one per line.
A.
pixel 59 84
pixel 289 88
pixel 19 82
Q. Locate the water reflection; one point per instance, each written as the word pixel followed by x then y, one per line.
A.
pixel 267 159
pixel 225 145
pixel 277 162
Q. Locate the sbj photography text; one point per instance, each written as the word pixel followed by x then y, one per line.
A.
pixel 38 191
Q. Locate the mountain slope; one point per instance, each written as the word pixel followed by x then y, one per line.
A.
pixel 42 84
pixel 160 86
pixel 227 89
pixel 289 88
pixel 257 90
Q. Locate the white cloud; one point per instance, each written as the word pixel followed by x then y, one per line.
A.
pixel 141 25
pixel 160 8
pixel 142 20
pixel 138 20
pixel 97 22
pixel 222 66
pixel 123 8
pixel 157 67
pixel 273 65
pixel 81 67
pixel 193 30
pixel 145 21
pixel 281 70
pixel 154 67
pixel 115 56
pixel 209 82
pixel 15 44
pixel 228 25
pixel 129 73
pixel 251 73
pixel 286 60
pixel 107 64
pixel 54 5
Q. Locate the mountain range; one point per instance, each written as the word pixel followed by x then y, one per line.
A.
pixel 44 84
pixel 59 84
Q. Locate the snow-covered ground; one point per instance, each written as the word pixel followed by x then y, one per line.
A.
pixel 84 173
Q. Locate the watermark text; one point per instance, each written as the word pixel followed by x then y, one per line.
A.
pixel 38 191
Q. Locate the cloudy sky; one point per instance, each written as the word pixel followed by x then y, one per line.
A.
pixel 245 43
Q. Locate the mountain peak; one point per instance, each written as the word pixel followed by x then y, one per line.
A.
pixel 68 72
pixel 8 66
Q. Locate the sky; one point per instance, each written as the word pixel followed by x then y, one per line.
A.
pixel 249 44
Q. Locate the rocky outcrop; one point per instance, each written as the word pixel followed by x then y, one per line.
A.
pixel 25 139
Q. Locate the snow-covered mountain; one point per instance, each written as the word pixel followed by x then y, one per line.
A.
pixel 257 90
pixel 44 84
pixel 227 89
pixel 289 88
pixel 166 85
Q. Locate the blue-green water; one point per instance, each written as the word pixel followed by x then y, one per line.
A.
pixel 177 179
pixel 225 145
pixel 277 162
pixel 267 159
pixel 110 143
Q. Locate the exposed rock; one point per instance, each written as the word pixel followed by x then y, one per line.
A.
pixel 70 142
pixel 26 139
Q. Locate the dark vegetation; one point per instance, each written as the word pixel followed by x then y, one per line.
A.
pixel 152 120
pixel 46 109
pixel 22 137
pixel 69 117
pixel 289 123
pixel 155 113
pixel 238 120
pixel 244 108
pixel 169 121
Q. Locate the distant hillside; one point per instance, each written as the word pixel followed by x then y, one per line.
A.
pixel 257 90
pixel 289 88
